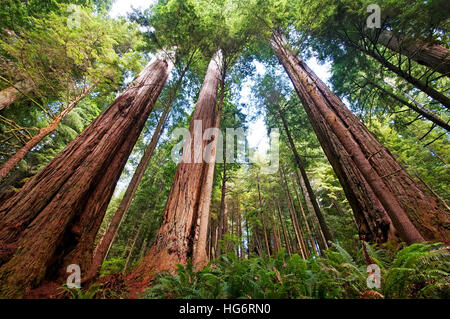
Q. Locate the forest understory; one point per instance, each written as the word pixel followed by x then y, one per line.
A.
pixel 224 149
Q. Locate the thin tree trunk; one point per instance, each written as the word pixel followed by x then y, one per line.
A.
pixel 407 205
pixel 223 219
pixel 143 249
pixel 295 225
pixel 266 239
pixel 13 93
pixel 130 253
pixel 259 246
pixel 276 230
pixel 283 228
pixel 301 167
pixel 6 167
pixel 419 109
pixel 309 206
pixel 174 241
pixel 240 234
pixel 107 239
pixel 432 55
pixel 54 219
pixel 308 229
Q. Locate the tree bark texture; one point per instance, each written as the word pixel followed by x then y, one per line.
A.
pixel 53 220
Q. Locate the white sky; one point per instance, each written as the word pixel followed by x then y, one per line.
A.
pixel 121 7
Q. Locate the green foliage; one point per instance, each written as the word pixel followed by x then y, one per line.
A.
pixel 112 266
pixel 420 270
pixel 78 293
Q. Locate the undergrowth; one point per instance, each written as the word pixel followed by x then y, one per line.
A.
pixel 417 271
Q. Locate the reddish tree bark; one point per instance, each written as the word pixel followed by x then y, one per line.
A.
pixel 415 214
pixel 53 220
pixel 200 258
pixel 174 241
pixel 432 55
pixel 104 245
pixel 13 93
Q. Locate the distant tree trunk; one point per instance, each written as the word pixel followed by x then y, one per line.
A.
pixel 295 224
pixel 130 253
pixel 6 167
pixel 432 55
pixel 259 246
pixel 276 230
pixel 283 228
pixel 430 91
pixel 308 229
pixel 54 219
pixel 240 233
pixel 266 239
pixel 276 237
pixel 13 93
pixel 343 136
pixel 107 239
pixel 223 218
pixel 301 167
pixel 174 241
pixel 310 208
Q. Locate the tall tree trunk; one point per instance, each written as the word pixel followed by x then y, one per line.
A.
pixel 408 206
pixel 13 93
pixel 107 239
pixel 432 55
pixel 53 220
pixel 174 241
pixel 6 167
pixel 200 259
pixel 301 167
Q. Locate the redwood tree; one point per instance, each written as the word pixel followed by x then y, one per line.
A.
pixel 368 172
pixel 53 220
pixel 174 241
pixel 432 55
pixel 101 250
